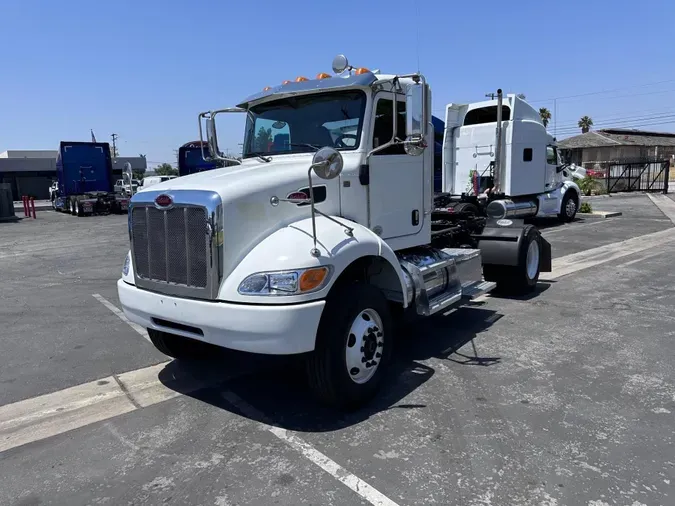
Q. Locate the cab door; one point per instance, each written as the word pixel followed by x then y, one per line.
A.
pixel 396 189
pixel 551 168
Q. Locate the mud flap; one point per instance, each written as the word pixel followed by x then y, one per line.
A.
pixel 501 241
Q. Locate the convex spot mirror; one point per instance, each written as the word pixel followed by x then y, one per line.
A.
pixel 327 163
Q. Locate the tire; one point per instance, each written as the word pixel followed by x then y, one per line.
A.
pixel 523 278
pixel 179 347
pixel 347 340
pixel 466 207
pixel 569 207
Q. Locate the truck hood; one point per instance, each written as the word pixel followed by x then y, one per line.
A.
pixel 246 190
pixel 232 183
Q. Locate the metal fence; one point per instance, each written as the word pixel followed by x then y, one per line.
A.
pixel 631 175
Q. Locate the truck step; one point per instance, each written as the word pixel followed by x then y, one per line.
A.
pixel 474 290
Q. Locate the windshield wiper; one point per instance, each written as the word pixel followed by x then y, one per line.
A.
pixel 261 156
pixel 306 145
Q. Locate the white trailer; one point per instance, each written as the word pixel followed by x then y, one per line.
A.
pixel 320 239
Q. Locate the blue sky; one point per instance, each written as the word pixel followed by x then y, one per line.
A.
pixel 144 69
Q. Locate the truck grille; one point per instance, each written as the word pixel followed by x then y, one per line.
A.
pixel 171 245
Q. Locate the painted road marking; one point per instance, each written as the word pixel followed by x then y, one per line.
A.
pixel 121 316
pixel 576 262
pixel 665 205
pixel 368 492
pixel 51 414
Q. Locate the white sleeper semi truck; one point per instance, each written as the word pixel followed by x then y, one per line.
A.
pixel 320 239
pixel 498 160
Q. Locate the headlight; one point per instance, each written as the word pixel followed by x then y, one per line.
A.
pixel 294 282
pixel 127 263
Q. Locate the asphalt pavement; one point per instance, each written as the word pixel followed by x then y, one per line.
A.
pixel 560 398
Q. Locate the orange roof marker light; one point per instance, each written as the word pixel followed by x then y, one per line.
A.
pixel 299 79
pixel 266 88
pixel 322 75
pixel 361 70
pixel 285 82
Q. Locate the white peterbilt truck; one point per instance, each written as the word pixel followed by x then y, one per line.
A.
pixel 322 238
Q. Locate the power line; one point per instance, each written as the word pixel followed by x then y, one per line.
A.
pixel 623 119
pixel 602 92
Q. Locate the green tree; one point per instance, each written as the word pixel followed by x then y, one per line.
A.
pixel 263 139
pixel 166 169
pixel 585 123
pixel 545 116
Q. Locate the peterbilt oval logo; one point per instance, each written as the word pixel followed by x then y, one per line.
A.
pixel 297 196
pixel 163 200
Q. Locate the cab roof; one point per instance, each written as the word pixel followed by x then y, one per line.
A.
pixel 298 88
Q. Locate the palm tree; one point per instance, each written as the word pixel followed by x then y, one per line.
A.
pixel 585 123
pixel 545 116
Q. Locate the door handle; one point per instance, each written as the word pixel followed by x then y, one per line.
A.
pixel 415 217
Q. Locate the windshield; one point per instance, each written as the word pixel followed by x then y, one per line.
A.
pixel 303 124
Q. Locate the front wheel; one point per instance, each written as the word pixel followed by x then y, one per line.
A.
pixel 353 346
pixel 568 207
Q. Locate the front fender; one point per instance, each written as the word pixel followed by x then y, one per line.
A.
pixel 567 185
pixel 290 248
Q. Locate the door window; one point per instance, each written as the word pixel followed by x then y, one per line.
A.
pixel 382 126
pixel 551 155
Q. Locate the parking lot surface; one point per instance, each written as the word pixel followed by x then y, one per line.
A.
pixel 567 397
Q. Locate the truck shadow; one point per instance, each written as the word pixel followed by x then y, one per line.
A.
pixel 273 390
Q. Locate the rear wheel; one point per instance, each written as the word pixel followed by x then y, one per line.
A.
pixel 522 278
pixel 353 346
pixel 178 346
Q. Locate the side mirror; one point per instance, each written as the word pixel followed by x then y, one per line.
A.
pixel 327 163
pixel 128 176
pixel 415 124
pixel 212 137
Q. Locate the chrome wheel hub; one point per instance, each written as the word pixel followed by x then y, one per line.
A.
pixel 532 261
pixel 364 346
pixel 570 208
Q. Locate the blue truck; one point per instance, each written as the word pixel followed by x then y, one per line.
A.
pixel 190 159
pixel 85 183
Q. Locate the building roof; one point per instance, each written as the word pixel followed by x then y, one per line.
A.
pixel 29 153
pixel 618 137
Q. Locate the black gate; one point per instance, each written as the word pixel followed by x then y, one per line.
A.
pixel 631 176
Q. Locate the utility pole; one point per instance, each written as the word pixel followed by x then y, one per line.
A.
pixel 114 140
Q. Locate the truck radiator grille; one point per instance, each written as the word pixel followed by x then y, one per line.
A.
pixel 171 245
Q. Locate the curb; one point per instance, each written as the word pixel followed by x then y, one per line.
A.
pixel 37 208
pixel 610 195
pixel 601 214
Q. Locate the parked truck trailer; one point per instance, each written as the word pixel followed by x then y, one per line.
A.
pixel 318 245
pixel 84 183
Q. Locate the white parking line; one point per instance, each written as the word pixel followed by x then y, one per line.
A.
pixel 368 492
pixel 51 414
pixel 576 262
pixel 665 205
pixel 121 316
